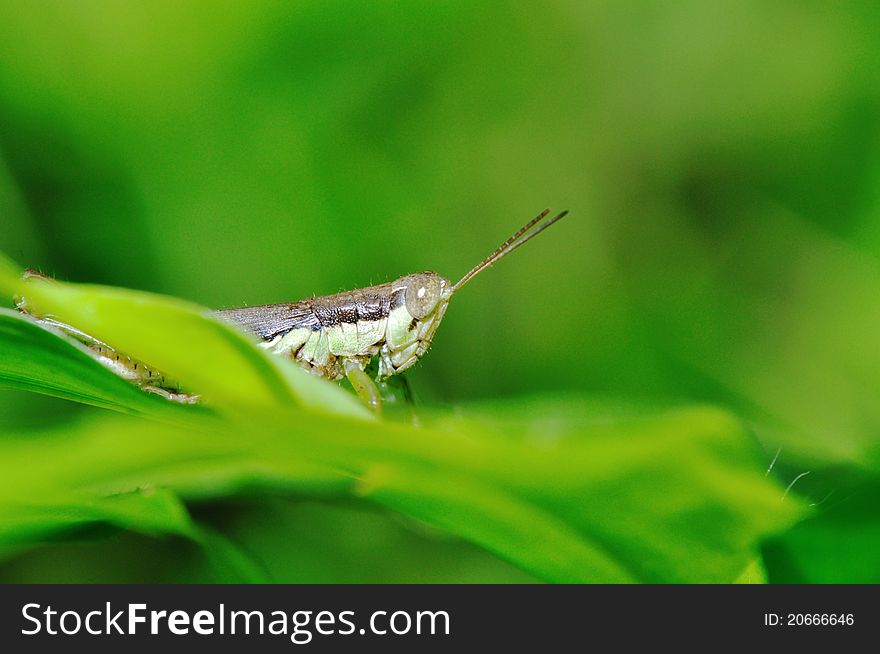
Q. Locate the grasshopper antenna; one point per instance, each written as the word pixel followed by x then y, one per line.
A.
pixel 525 233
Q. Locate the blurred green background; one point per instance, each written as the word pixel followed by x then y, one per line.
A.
pixel 721 162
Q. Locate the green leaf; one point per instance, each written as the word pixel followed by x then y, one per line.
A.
pixel 34 519
pixel 679 496
pixel 184 341
pixel 34 358
pixel 229 561
pixel 154 512
pixel 674 497
pixel 499 522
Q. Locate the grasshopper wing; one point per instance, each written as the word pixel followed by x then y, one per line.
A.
pixel 271 320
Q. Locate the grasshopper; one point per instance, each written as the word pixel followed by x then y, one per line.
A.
pixel 339 335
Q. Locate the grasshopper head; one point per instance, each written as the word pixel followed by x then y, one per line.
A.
pixel 418 304
pixel 423 292
pixel 420 300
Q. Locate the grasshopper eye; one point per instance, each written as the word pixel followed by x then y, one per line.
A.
pixel 422 294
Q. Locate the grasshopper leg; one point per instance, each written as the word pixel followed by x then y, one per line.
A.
pixel 363 386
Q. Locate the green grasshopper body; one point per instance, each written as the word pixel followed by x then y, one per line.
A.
pixel 330 334
pixel 336 336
